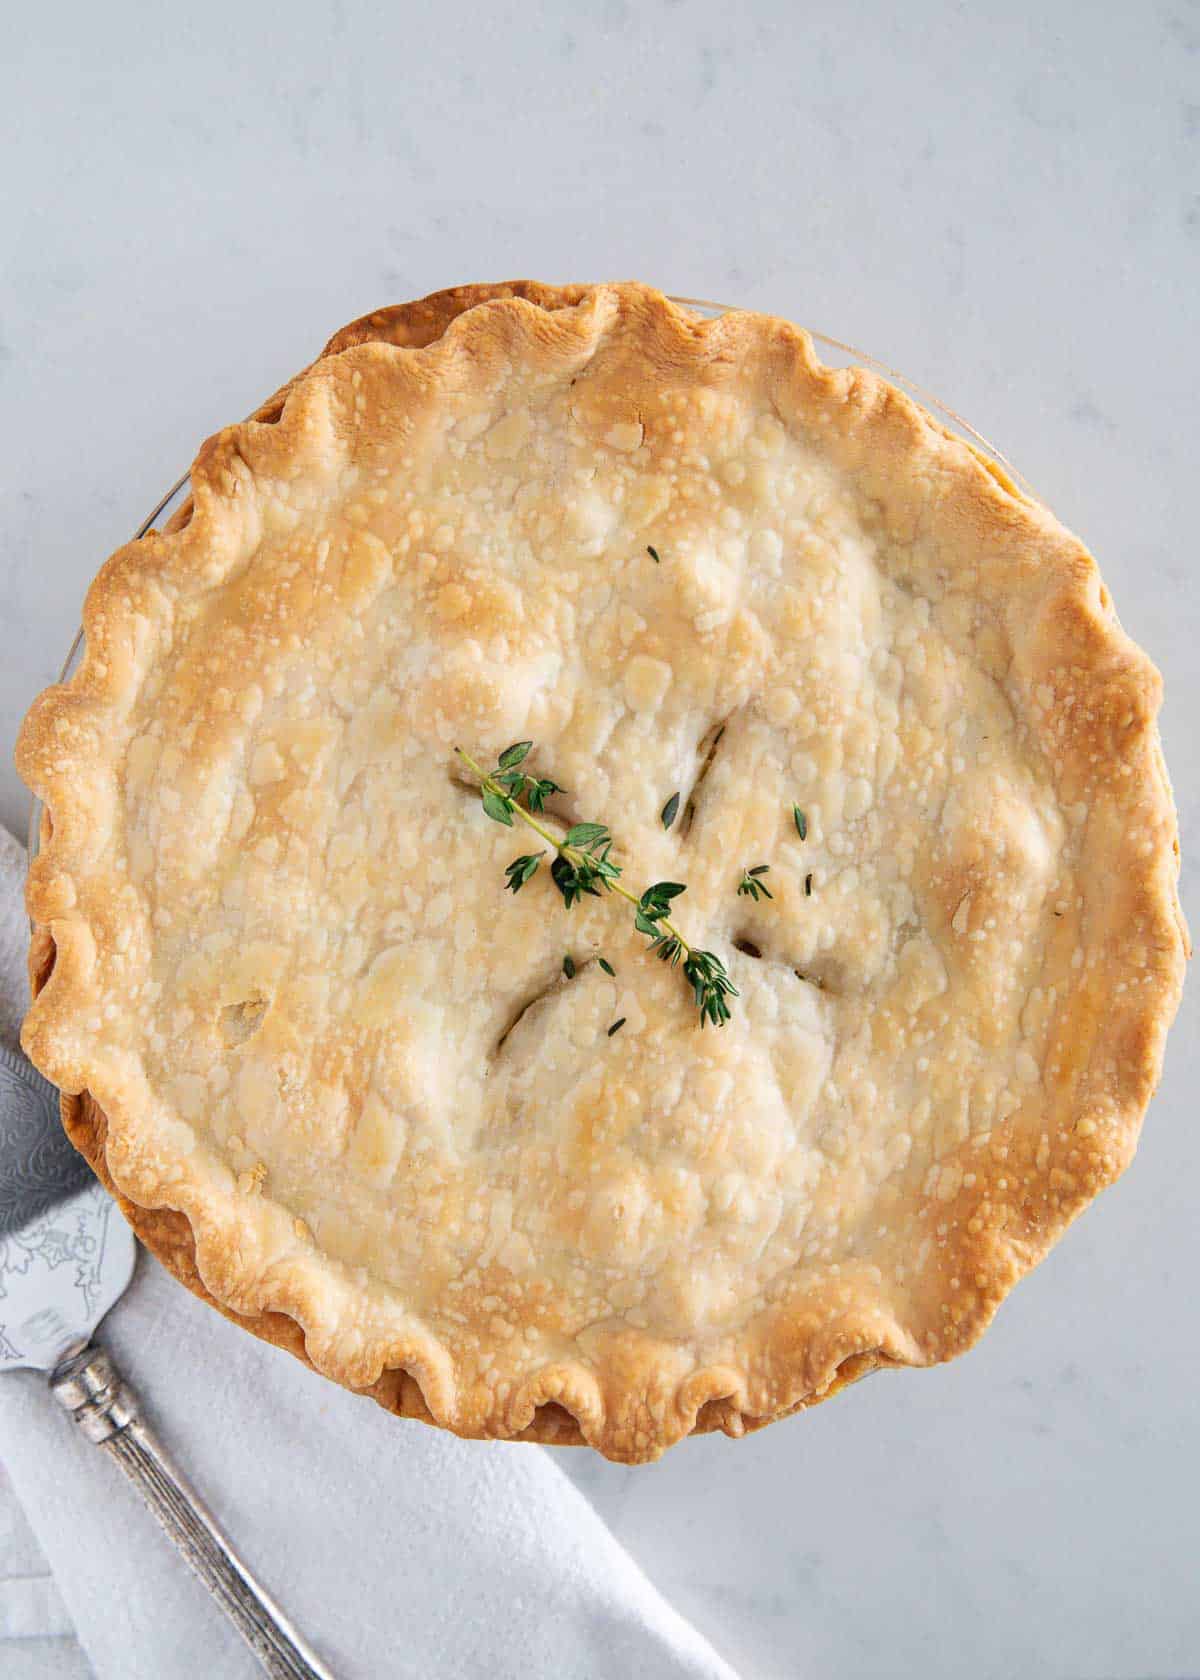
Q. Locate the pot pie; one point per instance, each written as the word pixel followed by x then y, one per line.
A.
pixel 370 1104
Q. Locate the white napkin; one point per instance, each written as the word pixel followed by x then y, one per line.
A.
pixel 397 1549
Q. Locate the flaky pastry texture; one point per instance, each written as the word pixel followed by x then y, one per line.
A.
pixel 341 1079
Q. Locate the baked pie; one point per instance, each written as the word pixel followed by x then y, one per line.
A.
pixel 713 616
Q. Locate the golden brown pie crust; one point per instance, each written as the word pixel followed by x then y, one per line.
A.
pixel 993 1199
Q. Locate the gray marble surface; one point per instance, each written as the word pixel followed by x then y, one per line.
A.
pixel 1004 203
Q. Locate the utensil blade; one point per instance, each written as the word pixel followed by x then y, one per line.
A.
pixel 65 1252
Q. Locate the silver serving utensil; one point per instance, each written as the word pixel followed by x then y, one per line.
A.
pixel 66 1257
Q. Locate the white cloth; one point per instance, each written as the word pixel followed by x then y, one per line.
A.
pixel 397 1549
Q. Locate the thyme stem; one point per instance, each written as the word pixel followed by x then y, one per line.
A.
pixel 582 865
pixel 572 854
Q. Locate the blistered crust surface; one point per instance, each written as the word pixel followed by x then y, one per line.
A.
pixel 287 974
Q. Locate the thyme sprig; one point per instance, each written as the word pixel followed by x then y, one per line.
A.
pixel 583 866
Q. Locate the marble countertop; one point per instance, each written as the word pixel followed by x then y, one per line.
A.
pixel 1005 205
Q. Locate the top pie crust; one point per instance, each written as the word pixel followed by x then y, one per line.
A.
pixel 285 969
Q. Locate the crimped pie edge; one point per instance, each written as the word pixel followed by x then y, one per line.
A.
pixel 1106 695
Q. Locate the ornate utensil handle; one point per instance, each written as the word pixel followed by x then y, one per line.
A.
pixel 91 1388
